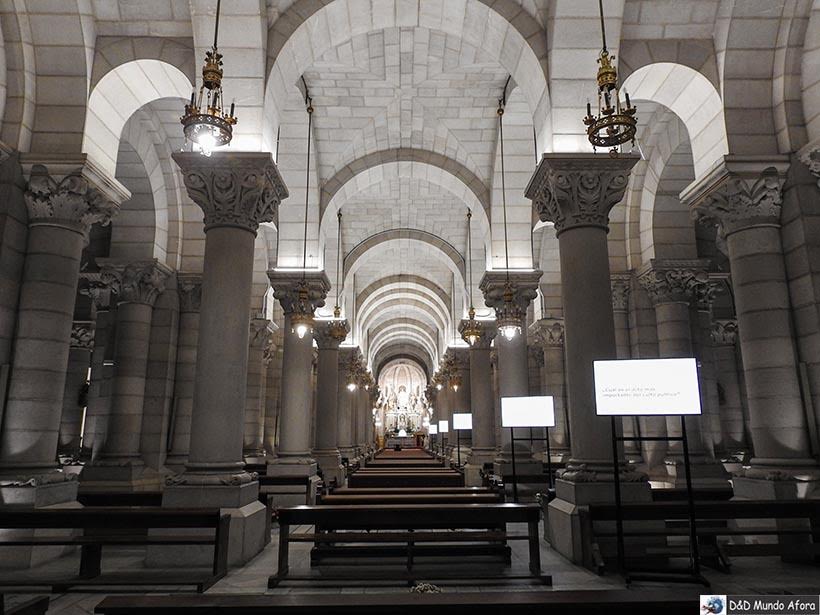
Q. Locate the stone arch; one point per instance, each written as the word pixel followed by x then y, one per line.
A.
pixel 20 95
pixel 113 51
pixel 308 30
pixel 697 54
pixel 400 304
pixel 404 349
pixel 414 294
pixel 403 355
pixel 112 102
pixel 810 75
pixel 693 99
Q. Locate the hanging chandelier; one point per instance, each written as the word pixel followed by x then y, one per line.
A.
pixel 301 318
pixel 509 315
pixel 205 121
pixel 615 123
pixel 455 382
pixel 337 309
pixel 471 329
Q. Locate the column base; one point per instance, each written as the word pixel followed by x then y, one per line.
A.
pixel 330 463
pixel 49 490
pixel 176 462
pixel 567 535
pixel 303 493
pixel 706 473
pixel 126 476
pixel 236 495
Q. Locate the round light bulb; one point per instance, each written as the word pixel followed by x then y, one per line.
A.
pixel 301 330
pixel 509 332
pixel 351 386
pixel 455 387
pixel 438 387
pixel 206 143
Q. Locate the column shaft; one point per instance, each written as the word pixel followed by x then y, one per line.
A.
pixel 184 389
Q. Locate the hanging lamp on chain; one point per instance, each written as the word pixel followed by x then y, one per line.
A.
pixel 301 318
pixel 510 315
pixel 471 328
pixel 205 122
pixel 615 122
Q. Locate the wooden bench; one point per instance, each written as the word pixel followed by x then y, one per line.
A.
pixel 266 482
pixel 701 494
pixel 409 498
pixel 576 602
pixel 412 490
pixel 123 498
pixel 408 525
pixel 113 526
pixel 34 606
pixel 405 479
pixel 796 541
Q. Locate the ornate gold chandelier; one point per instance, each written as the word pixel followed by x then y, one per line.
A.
pixel 615 123
pixel 205 121
pixel 509 315
pixel 471 329
pixel 301 319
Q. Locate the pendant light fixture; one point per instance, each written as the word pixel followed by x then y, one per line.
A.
pixel 337 309
pixel 615 123
pixel 301 319
pixel 471 329
pixel 205 121
pixel 509 315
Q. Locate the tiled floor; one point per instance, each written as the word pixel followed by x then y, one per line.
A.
pixel 749 575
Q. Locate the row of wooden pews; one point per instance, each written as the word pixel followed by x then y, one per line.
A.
pixel 407 504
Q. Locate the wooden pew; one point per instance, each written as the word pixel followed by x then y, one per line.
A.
pixel 408 525
pixel 409 498
pixel 34 606
pixel 796 540
pixel 576 602
pixel 123 498
pixel 405 479
pixel 114 526
pixel 412 490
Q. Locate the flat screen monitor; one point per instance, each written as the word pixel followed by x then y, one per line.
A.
pixel 536 411
pixel 443 426
pixel 647 387
pixel 462 421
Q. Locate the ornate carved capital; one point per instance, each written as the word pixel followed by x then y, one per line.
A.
pixel 674 281
pixel 239 189
pixel 138 282
pixel 329 334
pixel 69 199
pixel 740 193
pixel 705 294
pixel 189 287
pixel 259 333
pixel 537 353
pixel 724 332
pixel 98 290
pixel 810 156
pixel 82 334
pixel 621 286
pixel 524 285
pixel 548 332
pixel 572 190
pixel 287 284
pixel 269 351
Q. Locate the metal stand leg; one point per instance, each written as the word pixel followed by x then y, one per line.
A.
pixel 515 477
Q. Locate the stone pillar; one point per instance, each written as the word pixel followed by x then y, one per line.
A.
pixel 621 284
pixel 724 337
pixel 76 388
pixel 237 191
pixel 190 299
pixel 329 335
pixel 576 193
pixel 258 337
pixel 119 464
pixel 63 201
pixel 743 197
pixel 348 359
pixel 512 357
pixel 549 334
pixel 483 450
pixel 672 285
pixel 296 291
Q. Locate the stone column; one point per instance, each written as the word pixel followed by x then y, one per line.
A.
pixel 76 388
pixel 576 193
pixel 329 335
pixel 743 197
pixel 483 450
pixel 190 300
pixel 296 291
pixel 348 359
pixel 672 285
pixel 512 357
pixel 119 464
pixel 258 337
pixel 549 334
pixel 237 191
pixel 273 364
pixel 620 283
pixel 724 337
pixel 63 201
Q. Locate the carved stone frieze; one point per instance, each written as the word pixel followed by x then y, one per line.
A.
pixel 137 282
pixel 674 281
pixel 578 190
pixel 239 189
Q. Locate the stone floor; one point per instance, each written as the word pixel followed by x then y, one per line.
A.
pixel 749 576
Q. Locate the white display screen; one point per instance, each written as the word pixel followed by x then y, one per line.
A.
pixel 527 412
pixel 443 426
pixel 462 421
pixel 647 387
pixel 432 430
